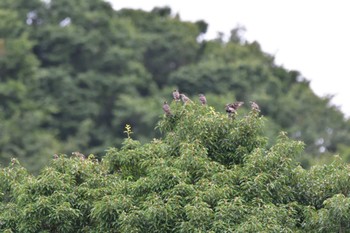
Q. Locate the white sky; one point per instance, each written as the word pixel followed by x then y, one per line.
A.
pixel 311 36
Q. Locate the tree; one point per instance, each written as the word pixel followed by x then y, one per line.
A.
pixel 72 74
pixel 22 117
pixel 207 173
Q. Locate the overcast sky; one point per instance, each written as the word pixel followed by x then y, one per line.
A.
pixel 310 36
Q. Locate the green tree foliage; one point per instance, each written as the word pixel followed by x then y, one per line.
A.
pixel 22 117
pixel 207 173
pixel 74 73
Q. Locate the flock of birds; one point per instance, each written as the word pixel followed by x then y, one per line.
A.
pixel 231 109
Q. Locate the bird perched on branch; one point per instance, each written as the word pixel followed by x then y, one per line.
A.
pixel 232 108
pixel 176 95
pixel 255 107
pixel 184 98
pixel 166 108
pixel 79 155
pixel 202 99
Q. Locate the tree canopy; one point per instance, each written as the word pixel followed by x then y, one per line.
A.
pixel 207 173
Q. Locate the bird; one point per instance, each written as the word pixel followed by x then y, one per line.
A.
pixel 166 108
pixel 202 99
pixel 176 95
pixel 232 108
pixel 255 107
pixel 184 98
pixel 79 155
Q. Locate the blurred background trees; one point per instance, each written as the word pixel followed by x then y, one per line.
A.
pixel 74 73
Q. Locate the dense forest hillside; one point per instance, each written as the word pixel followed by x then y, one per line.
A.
pixel 74 73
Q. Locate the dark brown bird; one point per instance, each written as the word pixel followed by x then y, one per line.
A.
pixel 176 95
pixel 184 98
pixel 255 107
pixel 202 99
pixel 166 108
pixel 232 108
